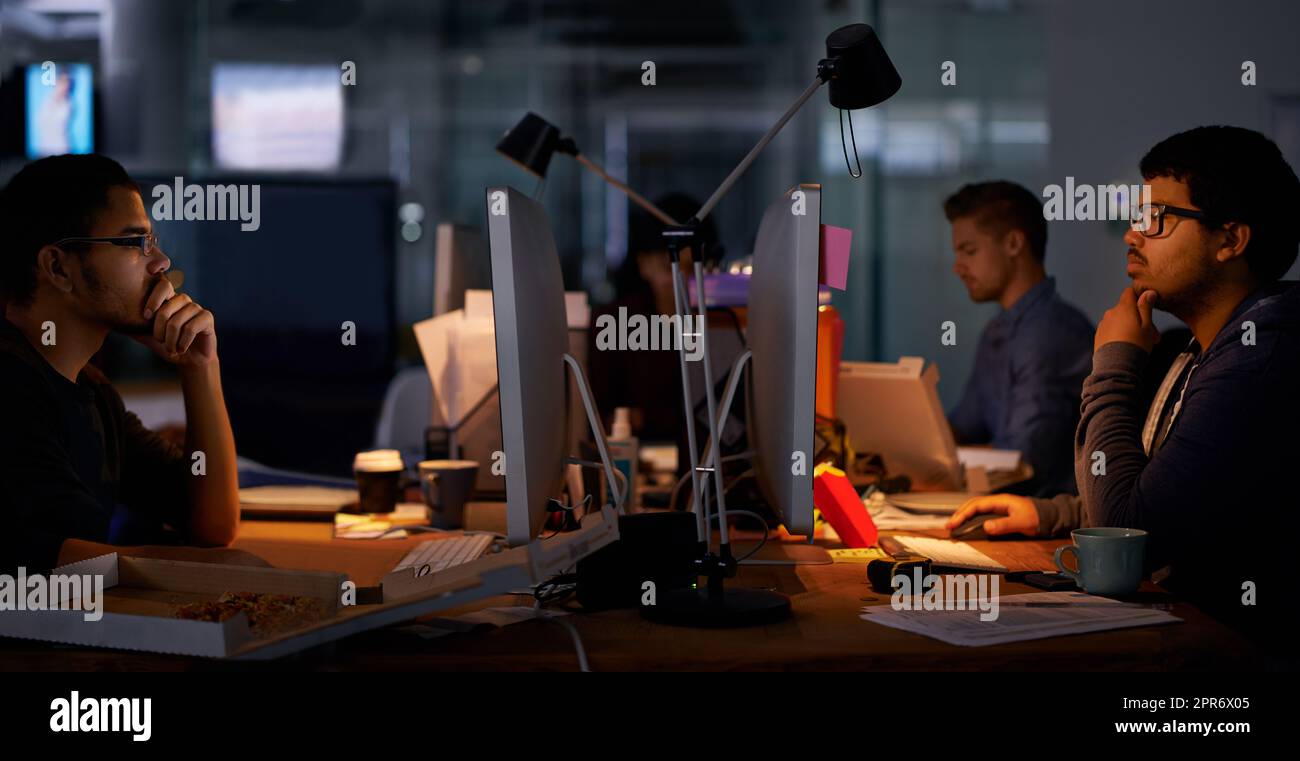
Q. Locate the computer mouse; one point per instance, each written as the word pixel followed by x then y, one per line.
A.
pixel 973 527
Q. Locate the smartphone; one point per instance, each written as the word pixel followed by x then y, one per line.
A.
pixel 1052 582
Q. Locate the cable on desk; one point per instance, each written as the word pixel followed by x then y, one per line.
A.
pixel 709 513
pixel 573 632
pixel 766 529
pixel 672 500
pixel 622 478
pixel 555 588
pixel 577 643
pixel 747 474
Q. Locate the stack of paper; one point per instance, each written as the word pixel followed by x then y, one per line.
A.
pixel 378 525
pixel 887 517
pixel 1037 615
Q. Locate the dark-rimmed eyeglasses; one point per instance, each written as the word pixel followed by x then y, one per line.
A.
pixel 146 243
pixel 1149 218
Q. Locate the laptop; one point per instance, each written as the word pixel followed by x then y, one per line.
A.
pixel 894 409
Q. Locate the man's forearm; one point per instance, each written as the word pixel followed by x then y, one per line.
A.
pixel 214 489
pixel 1059 515
pixel 1109 458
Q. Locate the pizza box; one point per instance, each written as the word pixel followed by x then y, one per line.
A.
pixel 141 597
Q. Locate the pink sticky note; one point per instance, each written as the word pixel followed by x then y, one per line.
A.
pixel 835 248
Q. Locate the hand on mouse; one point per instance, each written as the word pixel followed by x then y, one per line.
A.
pixel 1022 516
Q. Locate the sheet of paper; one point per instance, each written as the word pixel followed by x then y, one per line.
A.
pixel 890 518
pixel 460 355
pixel 374 525
pixel 459 350
pixel 1017 622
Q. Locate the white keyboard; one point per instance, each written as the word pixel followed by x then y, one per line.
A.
pixel 438 554
pixel 950 554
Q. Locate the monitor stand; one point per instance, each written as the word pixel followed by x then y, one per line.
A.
pixel 716 605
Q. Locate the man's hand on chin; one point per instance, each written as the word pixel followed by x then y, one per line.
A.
pixel 1129 321
pixel 184 333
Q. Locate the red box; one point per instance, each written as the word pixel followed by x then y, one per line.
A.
pixel 841 506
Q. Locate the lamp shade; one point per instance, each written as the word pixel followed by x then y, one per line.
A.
pixel 531 143
pixel 863 75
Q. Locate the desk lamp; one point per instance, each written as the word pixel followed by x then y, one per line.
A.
pixel 531 143
pixel 860 75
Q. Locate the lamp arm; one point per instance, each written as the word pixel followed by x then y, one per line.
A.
pixel 757 149
pixel 636 197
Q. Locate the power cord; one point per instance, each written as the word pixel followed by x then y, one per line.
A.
pixel 672 500
pixel 766 531
pixel 543 595
pixel 577 640
pixel 557 588
pixel 733 511
pixel 622 478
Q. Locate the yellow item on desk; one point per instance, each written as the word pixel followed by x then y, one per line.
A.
pixel 377 525
pixel 857 555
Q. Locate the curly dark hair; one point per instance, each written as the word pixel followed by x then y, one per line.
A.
pixel 1237 175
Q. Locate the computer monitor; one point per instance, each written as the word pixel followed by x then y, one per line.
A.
pixel 894 409
pixel 460 263
pixel 60 109
pixel 277 117
pixel 782 335
pixel 532 342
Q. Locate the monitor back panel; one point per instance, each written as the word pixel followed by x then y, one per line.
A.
pixel 531 340
pixel 783 336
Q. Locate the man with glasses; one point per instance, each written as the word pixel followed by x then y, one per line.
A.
pixel 1208 468
pixel 78 471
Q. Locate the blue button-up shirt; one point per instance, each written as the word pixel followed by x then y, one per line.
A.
pixel 1023 393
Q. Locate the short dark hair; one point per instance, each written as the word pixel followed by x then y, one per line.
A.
pixel 52 198
pixel 1237 175
pixel 999 206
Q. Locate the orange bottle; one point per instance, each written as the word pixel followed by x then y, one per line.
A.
pixel 830 345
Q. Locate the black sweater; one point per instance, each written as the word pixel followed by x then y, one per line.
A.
pixel 75 464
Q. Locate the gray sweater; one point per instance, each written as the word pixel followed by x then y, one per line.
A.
pixel 1218 461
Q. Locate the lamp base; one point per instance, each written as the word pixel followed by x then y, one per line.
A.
pixel 737 608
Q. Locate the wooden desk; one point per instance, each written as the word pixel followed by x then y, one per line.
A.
pixel 825 632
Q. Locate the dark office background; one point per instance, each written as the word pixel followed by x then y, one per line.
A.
pixel 1044 90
